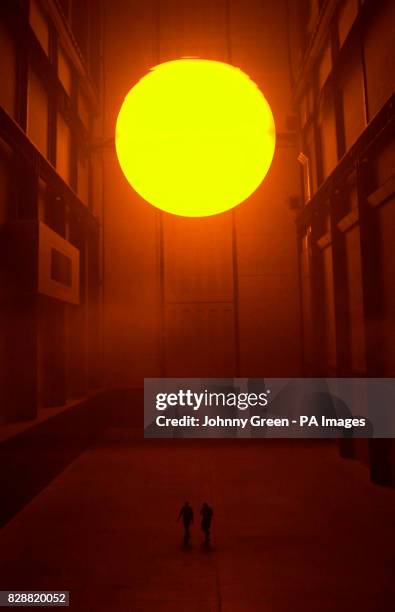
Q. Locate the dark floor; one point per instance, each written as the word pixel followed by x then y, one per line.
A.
pixel 296 528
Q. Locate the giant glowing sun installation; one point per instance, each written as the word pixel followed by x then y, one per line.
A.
pixel 195 137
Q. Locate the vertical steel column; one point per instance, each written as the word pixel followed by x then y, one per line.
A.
pixel 160 224
pixel 235 262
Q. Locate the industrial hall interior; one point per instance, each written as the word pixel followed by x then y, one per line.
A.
pixel 101 289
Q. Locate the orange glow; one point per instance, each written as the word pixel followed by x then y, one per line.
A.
pixel 195 137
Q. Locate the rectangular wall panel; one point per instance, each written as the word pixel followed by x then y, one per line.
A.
pixel 199 330
pixel 200 340
pixel 198 259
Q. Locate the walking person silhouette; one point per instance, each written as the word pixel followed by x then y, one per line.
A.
pixel 207 515
pixel 186 514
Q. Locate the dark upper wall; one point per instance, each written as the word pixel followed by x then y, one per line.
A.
pixel 344 87
pixel 49 345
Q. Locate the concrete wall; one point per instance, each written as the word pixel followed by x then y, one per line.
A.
pixel 137 37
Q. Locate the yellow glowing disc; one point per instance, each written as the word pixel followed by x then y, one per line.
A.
pixel 195 137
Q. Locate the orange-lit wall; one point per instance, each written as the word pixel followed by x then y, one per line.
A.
pixel 198 291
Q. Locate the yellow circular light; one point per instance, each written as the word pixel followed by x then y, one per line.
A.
pixel 195 137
